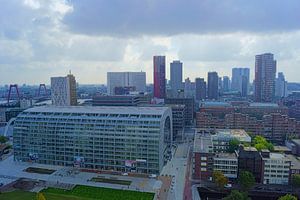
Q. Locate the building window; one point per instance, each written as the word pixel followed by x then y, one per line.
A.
pixel 203 158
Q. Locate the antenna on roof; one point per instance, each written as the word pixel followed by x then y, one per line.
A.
pixel 70 72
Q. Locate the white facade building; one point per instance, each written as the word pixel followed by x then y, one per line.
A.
pixel 109 138
pixel 126 79
pixel 226 163
pixel 63 91
pixel 276 169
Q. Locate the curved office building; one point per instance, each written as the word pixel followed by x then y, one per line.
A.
pixel 109 138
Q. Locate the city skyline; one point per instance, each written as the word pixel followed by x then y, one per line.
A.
pixel 45 39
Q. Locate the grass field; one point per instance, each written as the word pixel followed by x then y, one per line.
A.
pixel 102 193
pixel 111 181
pixel 79 193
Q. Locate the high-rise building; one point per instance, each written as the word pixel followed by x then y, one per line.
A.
pixel 136 80
pixel 220 85
pixel 212 85
pixel 63 91
pixel 176 77
pixel 280 86
pixel 240 80
pixel 189 88
pixel 226 84
pixel 200 89
pixel 159 64
pixel 265 73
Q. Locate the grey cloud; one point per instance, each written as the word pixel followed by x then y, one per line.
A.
pixel 169 17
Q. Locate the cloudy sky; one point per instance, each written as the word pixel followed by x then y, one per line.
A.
pixel 43 38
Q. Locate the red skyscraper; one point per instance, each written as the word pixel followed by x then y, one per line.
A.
pixel 159 63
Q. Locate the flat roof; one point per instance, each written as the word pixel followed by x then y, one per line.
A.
pixel 295 161
pixel 281 148
pixel 297 141
pixel 277 156
pixel 273 105
pixel 202 142
pixel 226 155
pixel 100 109
pixel 214 104
pixel 250 149
pixel 239 134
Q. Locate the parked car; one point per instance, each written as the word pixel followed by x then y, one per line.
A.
pixel 152 176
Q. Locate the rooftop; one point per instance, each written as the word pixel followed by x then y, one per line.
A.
pixel 250 149
pixel 297 141
pixel 239 134
pixel 295 161
pixel 277 156
pixel 202 143
pixel 226 155
pixel 100 109
pixel 281 148
pixel 214 104
pixel 271 105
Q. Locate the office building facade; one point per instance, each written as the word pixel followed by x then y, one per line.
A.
pixel 240 80
pixel 63 91
pixel 281 86
pixel 120 100
pixel 213 85
pixel 117 80
pixel 200 89
pixel 189 107
pixel 226 84
pixel 265 74
pixel 277 168
pixel 159 76
pixel 176 77
pixel 108 138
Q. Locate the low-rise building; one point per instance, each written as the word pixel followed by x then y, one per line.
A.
pixel 120 100
pixel 249 159
pixel 203 156
pixel 227 163
pixel 295 164
pixel 221 138
pixel 277 168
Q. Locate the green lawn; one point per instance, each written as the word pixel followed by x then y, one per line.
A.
pixel 102 193
pixel 79 193
pixel 23 195
pixel 111 181
pixel 17 195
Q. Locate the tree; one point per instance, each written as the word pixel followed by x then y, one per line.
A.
pixel 236 195
pixel 40 196
pixel 246 180
pixel 260 143
pixel 288 197
pixel 220 179
pixel 296 180
pixel 3 139
pixel 233 145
